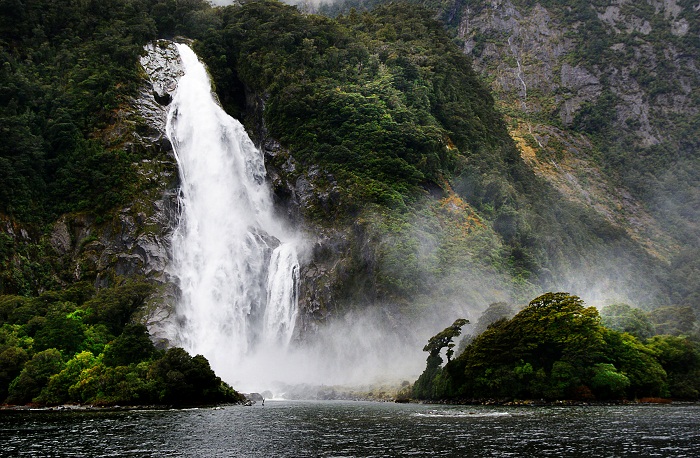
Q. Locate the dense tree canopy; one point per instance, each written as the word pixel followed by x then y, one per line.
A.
pixel 434 347
pixel 625 318
pixel 556 348
pixel 384 100
pixel 80 346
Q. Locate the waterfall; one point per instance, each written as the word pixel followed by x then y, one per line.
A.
pixel 236 266
pixel 282 293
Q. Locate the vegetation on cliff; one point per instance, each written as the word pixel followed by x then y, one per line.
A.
pixel 385 102
pixel 602 99
pixel 556 348
pixel 67 75
pixel 81 346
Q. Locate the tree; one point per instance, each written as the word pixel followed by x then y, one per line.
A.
pixel 494 312
pixel 674 321
pixel 557 326
pixel 97 336
pixel 680 358
pixel 58 387
pixel 625 318
pixel 431 384
pixel 62 329
pixel 444 339
pixel 12 360
pixel 113 307
pixel 548 350
pixel 608 383
pixel 34 376
pixel 187 380
pixel 132 346
pixel 646 376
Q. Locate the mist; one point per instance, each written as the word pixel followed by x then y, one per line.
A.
pixel 380 343
pixel 354 350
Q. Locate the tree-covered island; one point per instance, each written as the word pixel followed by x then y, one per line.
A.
pixel 556 348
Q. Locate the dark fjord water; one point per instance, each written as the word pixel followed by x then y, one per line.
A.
pixel 357 429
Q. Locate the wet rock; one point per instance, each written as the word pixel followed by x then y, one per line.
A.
pixel 582 86
pixel 60 237
pixel 163 68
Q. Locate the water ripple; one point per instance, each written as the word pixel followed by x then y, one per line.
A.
pixel 342 429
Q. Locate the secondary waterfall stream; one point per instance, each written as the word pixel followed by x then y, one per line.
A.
pixel 235 264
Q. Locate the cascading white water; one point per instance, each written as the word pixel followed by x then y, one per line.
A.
pixel 282 294
pixel 237 267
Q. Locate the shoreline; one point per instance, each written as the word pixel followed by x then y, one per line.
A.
pixel 115 408
pixel 543 403
pixel 462 402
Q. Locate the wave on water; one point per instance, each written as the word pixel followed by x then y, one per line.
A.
pixel 460 414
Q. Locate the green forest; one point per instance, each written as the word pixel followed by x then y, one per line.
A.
pixel 557 348
pixel 389 107
pixel 81 346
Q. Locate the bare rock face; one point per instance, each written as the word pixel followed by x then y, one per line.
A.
pixel 162 65
pixel 60 239
pixel 582 86
pixel 327 258
pixel 532 55
pixel 137 241
pixel 525 55
pixel 150 251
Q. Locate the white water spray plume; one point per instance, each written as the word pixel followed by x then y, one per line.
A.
pixel 237 266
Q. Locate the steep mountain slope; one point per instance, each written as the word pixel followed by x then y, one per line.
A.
pixel 606 72
pixel 601 98
pixel 380 141
pixel 621 75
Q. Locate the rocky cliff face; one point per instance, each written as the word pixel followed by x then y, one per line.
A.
pixel 134 241
pixel 335 260
pixel 565 74
pixel 337 264
pixel 541 49
pixel 128 242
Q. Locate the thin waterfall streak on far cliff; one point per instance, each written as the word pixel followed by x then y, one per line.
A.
pixel 236 266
